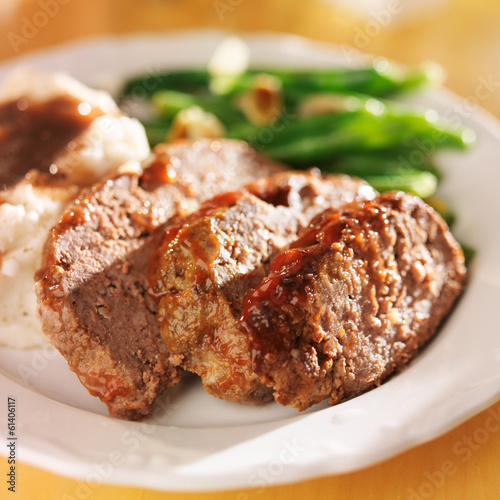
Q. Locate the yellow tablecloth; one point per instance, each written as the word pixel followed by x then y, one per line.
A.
pixel 462 35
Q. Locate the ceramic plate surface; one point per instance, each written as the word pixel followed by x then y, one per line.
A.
pixel 196 442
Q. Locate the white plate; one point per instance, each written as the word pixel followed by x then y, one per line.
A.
pixel 195 442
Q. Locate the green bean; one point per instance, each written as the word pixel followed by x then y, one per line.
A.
pixel 387 162
pixel 393 80
pixel 185 80
pixel 319 138
pixel 168 103
pixel 417 182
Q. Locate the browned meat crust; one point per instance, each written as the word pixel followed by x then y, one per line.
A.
pixel 209 260
pixel 353 300
pixel 92 286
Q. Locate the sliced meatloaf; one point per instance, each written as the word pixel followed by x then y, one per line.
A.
pixel 92 285
pixel 208 261
pixel 353 300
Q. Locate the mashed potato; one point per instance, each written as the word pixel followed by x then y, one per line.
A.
pixel 28 211
pixel 25 217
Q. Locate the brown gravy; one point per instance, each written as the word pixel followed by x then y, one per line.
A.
pixel 32 135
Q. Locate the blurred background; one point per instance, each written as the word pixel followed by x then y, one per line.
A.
pixel 461 35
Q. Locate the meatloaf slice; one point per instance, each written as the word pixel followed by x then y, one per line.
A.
pixel 92 285
pixel 208 261
pixel 352 300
